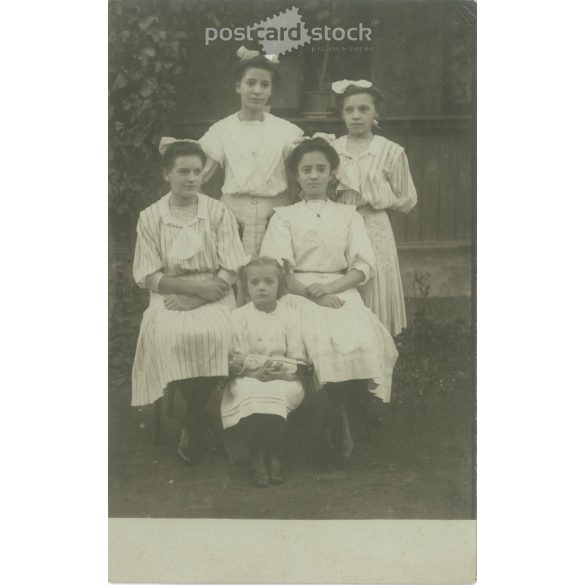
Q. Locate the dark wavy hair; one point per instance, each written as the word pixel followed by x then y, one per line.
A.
pixel 181 148
pixel 355 90
pixel 312 145
pixel 259 62
pixel 263 261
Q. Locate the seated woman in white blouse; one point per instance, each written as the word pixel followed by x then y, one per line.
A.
pixel 326 253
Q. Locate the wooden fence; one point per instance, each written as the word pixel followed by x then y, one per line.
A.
pixel 441 154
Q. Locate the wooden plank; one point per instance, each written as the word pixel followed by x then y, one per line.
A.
pixel 415 155
pixel 465 191
pixel 398 220
pixel 447 187
pixel 431 188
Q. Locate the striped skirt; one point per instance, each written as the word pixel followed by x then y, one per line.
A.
pixel 253 213
pixel 176 345
pixel 383 292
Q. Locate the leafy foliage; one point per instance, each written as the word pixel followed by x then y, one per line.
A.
pixel 437 360
pixel 154 65
pixel 147 59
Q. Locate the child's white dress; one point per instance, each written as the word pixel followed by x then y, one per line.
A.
pixel 343 344
pixel 253 155
pixel 176 345
pixel 276 334
pixel 377 180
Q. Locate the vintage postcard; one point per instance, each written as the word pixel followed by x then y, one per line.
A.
pixel 292 336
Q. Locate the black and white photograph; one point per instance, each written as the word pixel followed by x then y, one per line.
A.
pixel 291 251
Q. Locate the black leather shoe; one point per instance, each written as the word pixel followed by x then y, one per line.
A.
pixel 259 471
pixel 275 468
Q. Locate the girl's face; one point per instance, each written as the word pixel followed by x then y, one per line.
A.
pixel 314 174
pixel 262 282
pixel 255 88
pixel 185 177
pixel 359 112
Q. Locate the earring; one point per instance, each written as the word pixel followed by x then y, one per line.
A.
pixel 376 124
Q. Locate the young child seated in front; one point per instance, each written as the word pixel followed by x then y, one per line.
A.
pixel 268 361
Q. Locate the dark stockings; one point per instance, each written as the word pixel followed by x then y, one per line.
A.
pixel 196 393
pixel 264 433
pixel 344 397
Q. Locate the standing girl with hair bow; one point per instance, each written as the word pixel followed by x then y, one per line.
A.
pixel 188 253
pixel 374 176
pixel 252 146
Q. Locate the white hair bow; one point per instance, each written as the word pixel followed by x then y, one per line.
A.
pixel 330 138
pixel 166 141
pixel 245 54
pixel 339 87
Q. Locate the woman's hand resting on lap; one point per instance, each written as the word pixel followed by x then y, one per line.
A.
pixel 331 301
pixel 213 289
pixel 181 303
pixel 316 291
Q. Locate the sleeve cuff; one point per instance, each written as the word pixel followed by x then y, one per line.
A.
pixel 363 267
pixel 152 281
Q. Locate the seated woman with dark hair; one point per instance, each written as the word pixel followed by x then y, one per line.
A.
pixel 326 254
pixel 188 253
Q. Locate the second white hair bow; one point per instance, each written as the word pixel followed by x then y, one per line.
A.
pixel 245 54
pixel 327 137
pixel 330 138
pixel 166 141
pixel 339 87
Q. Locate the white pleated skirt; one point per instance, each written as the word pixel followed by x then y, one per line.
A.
pixel 349 343
pixel 245 396
pixel 383 292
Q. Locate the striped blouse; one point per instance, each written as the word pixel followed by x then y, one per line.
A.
pixel 378 176
pixel 207 243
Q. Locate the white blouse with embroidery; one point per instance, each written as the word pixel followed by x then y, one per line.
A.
pixel 253 153
pixel 276 334
pixel 335 240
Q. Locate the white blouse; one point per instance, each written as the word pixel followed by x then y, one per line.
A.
pixel 378 176
pixel 276 334
pixel 253 153
pixel 207 243
pixel 335 242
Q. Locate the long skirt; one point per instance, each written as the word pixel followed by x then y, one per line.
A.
pixel 344 344
pixel 382 293
pixel 176 345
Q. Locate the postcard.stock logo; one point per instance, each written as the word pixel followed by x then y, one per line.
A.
pixel 286 31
